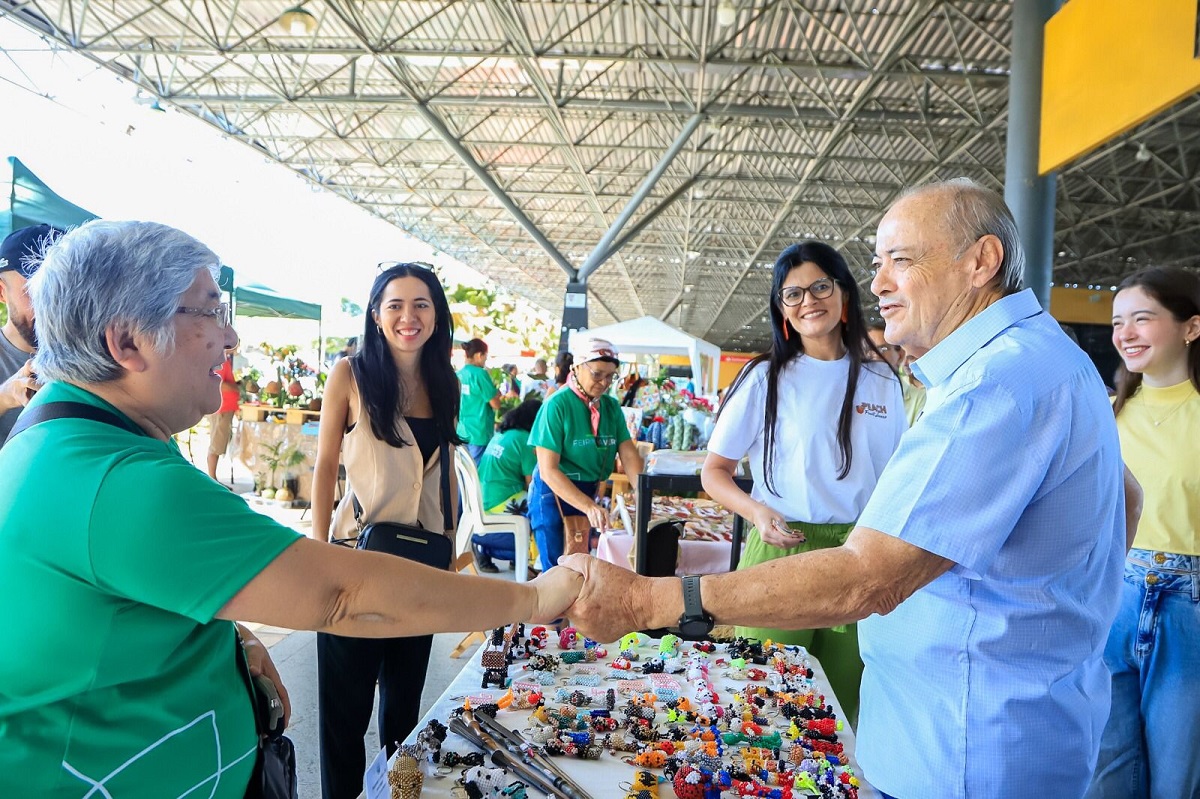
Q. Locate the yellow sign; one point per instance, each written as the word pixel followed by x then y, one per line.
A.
pixel 1110 65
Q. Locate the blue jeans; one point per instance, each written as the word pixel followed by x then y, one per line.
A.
pixel 545 520
pixel 1151 743
pixel 476 452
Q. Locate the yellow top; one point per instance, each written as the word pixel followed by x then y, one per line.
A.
pixel 1160 430
pixel 914 397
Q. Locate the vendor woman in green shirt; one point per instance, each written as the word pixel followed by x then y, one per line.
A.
pixel 577 436
pixel 480 400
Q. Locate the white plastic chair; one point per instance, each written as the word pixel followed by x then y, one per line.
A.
pixel 474 521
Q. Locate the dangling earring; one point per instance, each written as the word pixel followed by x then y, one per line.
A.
pixel 380 329
pixel 785 330
pixel 845 313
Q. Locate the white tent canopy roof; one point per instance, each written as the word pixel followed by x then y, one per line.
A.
pixel 649 335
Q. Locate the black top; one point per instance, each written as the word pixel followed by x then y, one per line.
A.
pixel 425 432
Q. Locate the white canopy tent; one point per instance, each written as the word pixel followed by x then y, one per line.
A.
pixel 649 335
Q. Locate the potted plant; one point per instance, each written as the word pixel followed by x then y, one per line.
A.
pixel 276 455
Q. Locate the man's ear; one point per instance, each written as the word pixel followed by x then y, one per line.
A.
pixel 988 260
pixel 125 347
pixel 3 291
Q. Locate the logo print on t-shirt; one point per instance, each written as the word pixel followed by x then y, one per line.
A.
pixel 870 409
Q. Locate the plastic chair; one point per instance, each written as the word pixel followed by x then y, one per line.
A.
pixel 474 521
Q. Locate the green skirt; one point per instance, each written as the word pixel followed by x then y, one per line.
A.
pixel 836 648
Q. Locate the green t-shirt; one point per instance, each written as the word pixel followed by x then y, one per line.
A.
pixel 506 462
pixel 115 556
pixel 476 418
pixel 564 425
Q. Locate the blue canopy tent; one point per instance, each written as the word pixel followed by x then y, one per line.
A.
pixel 28 201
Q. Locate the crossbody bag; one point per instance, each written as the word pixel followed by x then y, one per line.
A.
pixel 409 541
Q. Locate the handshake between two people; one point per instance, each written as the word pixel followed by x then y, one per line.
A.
pixel 602 601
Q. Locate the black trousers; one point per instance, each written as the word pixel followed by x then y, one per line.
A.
pixel 347 670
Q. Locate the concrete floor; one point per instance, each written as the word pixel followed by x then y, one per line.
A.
pixel 295 653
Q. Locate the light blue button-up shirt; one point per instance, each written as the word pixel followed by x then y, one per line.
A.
pixel 989 681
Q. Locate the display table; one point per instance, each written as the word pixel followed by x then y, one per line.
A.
pixel 604 777
pixel 266 433
pixel 649 484
pixel 695 557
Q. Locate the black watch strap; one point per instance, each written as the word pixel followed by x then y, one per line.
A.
pixel 692 607
pixel 694 624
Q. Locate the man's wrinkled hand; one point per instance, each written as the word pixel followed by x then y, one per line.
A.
pixel 611 602
pixel 556 591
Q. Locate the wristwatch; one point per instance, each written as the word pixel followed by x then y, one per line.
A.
pixel 694 624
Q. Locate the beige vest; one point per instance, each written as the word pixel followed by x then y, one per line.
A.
pixel 393 483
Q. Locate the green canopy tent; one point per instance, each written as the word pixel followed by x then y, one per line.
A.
pixel 28 201
pixel 255 299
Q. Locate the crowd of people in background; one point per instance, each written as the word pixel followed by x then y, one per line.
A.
pixel 945 511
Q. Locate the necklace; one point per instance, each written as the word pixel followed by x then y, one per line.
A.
pixel 1170 413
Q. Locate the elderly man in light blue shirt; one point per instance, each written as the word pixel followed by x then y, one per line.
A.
pixel 987 563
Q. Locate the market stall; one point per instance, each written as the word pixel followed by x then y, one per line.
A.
pixel 277 438
pixel 687 696
pixel 28 201
pixel 651 336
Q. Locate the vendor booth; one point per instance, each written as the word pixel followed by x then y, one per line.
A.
pixel 651 336
pixel 28 201
pixel 277 444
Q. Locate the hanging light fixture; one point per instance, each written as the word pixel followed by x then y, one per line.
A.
pixel 298 22
pixel 1143 153
pixel 726 13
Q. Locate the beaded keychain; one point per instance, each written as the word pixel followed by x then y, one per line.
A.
pixel 405 777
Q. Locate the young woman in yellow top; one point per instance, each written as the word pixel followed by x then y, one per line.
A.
pixel 1150 744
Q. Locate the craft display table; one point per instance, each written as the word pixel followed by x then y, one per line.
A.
pixel 609 776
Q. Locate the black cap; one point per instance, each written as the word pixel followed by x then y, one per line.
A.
pixel 22 249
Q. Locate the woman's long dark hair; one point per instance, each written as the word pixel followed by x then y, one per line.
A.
pixel 562 367
pixel 379 380
pixel 1177 290
pixel 783 350
pixel 520 417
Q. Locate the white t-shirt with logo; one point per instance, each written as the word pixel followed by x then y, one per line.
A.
pixel 807 458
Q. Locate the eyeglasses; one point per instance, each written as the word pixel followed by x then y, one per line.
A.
pixel 794 295
pixel 220 313
pixel 601 377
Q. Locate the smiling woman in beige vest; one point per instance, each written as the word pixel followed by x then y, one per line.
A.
pixel 380 414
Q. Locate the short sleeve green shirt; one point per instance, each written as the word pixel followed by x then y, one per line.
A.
pixel 476 418
pixel 116 554
pixel 564 425
pixel 506 462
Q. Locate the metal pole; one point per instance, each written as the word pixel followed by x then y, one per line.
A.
pixel 601 252
pixel 1029 195
pixel 491 185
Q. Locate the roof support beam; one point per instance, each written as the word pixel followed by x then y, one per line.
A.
pixel 604 249
pixel 439 127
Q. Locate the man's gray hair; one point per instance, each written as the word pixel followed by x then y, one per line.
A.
pixel 975 212
pixel 128 274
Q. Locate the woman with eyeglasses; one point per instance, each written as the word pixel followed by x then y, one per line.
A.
pixel 1150 743
pixel 577 435
pixel 818 422
pixel 379 415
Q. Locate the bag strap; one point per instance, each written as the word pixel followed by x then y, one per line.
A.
pixel 447 516
pixel 64 410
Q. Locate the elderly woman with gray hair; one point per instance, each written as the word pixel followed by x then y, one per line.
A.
pixel 123 567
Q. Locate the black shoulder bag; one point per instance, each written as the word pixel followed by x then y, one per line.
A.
pixel 274 774
pixel 410 541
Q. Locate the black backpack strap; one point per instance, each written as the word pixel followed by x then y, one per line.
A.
pixel 63 410
pixel 446 514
